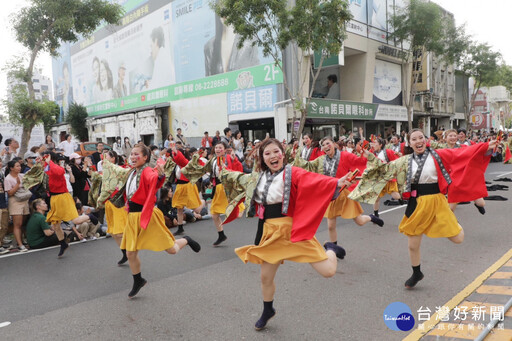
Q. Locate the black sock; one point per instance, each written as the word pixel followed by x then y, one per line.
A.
pixel 63 242
pixel 124 253
pixel 417 276
pixel 124 259
pixel 137 277
pixel 268 313
pixel 138 283
pixel 335 243
pixel 221 234
pixel 376 213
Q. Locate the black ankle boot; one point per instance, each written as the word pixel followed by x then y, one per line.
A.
pixel 222 238
pixel 268 313
pixel 480 209
pixel 180 230
pixel 417 276
pixel 138 283
pixel 124 259
pixel 63 247
pixel 193 244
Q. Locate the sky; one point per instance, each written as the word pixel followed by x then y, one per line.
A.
pixel 487 21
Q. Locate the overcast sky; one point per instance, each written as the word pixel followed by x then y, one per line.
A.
pixel 487 21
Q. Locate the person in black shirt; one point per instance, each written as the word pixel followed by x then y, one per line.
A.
pixel 96 156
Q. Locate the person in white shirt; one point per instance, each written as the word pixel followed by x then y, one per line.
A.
pixel 67 146
pixel 333 86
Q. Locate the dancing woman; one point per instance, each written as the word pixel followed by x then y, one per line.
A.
pixel 288 218
pixel 425 177
pixel 385 155
pixel 336 163
pixel 145 227
pixel 62 205
pixel 194 170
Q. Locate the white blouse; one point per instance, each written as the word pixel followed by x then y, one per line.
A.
pixel 275 191
pixel 429 173
pixel 131 184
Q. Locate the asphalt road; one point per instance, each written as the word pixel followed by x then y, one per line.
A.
pixel 214 296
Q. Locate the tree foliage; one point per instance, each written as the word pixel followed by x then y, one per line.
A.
pixel 43 26
pixel 76 117
pixel 274 25
pixel 422 28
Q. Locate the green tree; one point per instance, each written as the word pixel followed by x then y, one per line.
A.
pixel 76 117
pixel 481 63
pixel 44 25
pixel 301 28
pixel 25 111
pixel 421 29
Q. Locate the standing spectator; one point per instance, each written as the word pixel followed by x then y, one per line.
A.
pixel 127 147
pixel 206 141
pixel 249 146
pixel 30 160
pixel 10 151
pixel 49 143
pixel 4 212
pixel 68 175
pixel 39 233
pixel 238 145
pixel 96 156
pixel 227 136
pixel 180 137
pixel 18 208
pixel 216 139
pixel 67 146
pixel 118 146
pixel 80 174
pixel 168 141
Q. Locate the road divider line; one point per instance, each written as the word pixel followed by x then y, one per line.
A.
pixel 4 324
pixel 461 296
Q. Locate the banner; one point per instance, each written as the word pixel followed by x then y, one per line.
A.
pixel 323 108
pixel 387 83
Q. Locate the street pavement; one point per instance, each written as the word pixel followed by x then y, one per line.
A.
pixel 214 296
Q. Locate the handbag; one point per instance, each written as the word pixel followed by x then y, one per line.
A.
pixel 22 194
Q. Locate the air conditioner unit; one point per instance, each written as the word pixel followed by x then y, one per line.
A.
pixel 429 104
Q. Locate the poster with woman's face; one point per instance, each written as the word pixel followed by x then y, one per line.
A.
pixel 63 90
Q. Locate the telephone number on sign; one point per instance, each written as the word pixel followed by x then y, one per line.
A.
pixel 211 84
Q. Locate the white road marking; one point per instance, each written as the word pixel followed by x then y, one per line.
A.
pixel 392 209
pixel 499 176
pixel 4 324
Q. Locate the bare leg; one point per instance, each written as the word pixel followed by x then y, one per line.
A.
pixel 395 195
pixel 331 224
pixel 58 231
pixel 480 202
pixel 134 261
pixel 377 204
pixel 327 267
pixel 218 222
pixel 453 206
pixel 362 219
pixel 268 286
pixel 178 245
pixel 17 221
pixel 414 249
pixel 118 238
pixel 458 238
pixel 180 215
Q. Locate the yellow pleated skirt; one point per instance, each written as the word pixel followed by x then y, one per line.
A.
pixel 432 217
pixel 186 195
pixel 275 246
pixel 63 208
pixel 116 218
pixel 156 237
pixel 391 186
pixel 343 207
pixel 219 201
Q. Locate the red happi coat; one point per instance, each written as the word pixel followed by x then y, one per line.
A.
pixel 348 163
pixel 145 195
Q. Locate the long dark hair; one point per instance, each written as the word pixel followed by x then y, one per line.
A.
pixel 54 156
pixel 164 193
pixel 262 147
pixel 10 165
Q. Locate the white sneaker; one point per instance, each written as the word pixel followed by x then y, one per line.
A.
pixel 93 238
pixel 3 251
pixel 83 240
pixel 22 248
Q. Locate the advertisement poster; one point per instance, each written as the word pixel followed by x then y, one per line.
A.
pixel 387 83
pixel 62 77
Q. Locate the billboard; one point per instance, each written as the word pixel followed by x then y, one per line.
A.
pixel 163 51
pixel 387 83
pixel 62 77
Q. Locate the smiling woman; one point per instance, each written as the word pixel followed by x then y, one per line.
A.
pixel 424 178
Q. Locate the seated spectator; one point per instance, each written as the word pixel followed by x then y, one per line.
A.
pixel 39 233
pixel 165 205
pixel 88 228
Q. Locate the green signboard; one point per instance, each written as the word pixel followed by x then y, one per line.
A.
pixel 236 80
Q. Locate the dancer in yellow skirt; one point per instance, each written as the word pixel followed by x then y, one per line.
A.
pixel 288 218
pixel 186 194
pixel 116 217
pixel 195 170
pixel 62 206
pixel 385 155
pixel 425 177
pixel 145 228
pixel 338 163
